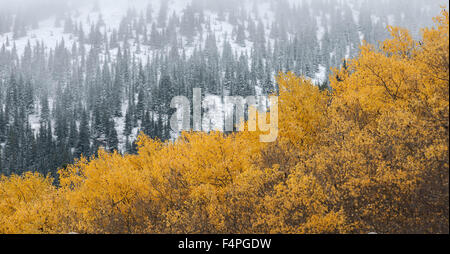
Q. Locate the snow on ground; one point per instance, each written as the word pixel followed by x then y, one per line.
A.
pixel 321 76
pixel 112 15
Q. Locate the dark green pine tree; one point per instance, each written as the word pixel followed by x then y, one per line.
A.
pixel 84 143
pixel 113 140
pixel 128 123
pixel 73 133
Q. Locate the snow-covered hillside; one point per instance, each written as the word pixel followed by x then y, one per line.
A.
pixel 119 63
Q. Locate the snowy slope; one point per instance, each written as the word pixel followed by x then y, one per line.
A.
pixel 112 15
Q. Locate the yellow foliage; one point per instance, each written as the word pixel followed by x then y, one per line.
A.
pixel 302 109
pixel 27 204
pixel 371 155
